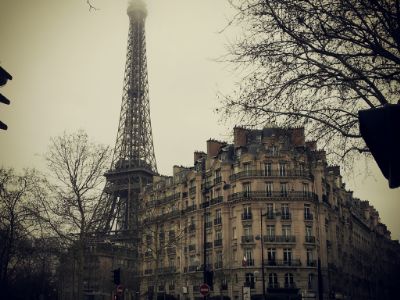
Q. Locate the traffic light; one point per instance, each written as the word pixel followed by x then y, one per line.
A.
pixel 380 128
pixel 4 77
pixel 117 276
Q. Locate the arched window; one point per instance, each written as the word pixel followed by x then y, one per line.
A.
pixel 273 280
pixel 289 283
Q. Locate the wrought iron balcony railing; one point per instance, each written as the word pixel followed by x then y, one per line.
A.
pixel 270 173
pixel 247 239
pixel 263 195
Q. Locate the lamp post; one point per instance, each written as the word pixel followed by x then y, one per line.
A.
pixel 262 254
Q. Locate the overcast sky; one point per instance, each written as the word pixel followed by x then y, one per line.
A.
pixel 68 63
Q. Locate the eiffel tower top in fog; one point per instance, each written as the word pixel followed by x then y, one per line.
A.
pixel 134 145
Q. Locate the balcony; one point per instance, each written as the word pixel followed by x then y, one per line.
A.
pixel 263 195
pixel 218 265
pixel 270 173
pixel 309 239
pixel 290 239
pixel 283 263
pixel 270 215
pixel 209 245
pixel 189 208
pixel 216 200
pixel 249 262
pixel 208 224
pixel 217 180
pixel 192 247
pixel 247 216
pixel 218 221
pixel 148 271
pixel 308 217
pixel 311 263
pixel 167 270
pixel 246 239
pixel 218 243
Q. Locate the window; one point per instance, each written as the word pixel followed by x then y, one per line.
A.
pixel 218 235
pixel 285 211
pixel 247 230
pixel 284 189
pixel 268 169
pixel 310 261
pixel 247 168
pixel 311 281
pixel 171 262
pixel 249 280
pixel 270 210
pixel 273 280
pixel 271 252
pixel 308 231
pixel 286 230
pixel 234 233
pixel 289 283
pixel 246 212
pixel 218 217
pixel 248 257
pixel 218 175
pixel 307 212
pixel 246 189
pixel 301 169
pixel 305 189
pixel 287 256
pixel 282 169
pixel 271 230
pixel 218 258
pixel 269 188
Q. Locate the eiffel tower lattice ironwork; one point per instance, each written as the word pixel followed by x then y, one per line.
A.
pixel 133 162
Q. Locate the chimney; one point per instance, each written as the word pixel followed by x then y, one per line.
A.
pixel 213 147
pixel 297 136
pixel 240 136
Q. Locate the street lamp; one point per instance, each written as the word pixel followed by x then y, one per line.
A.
pixel 262 254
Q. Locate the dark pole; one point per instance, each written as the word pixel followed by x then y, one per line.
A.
pixel 204 237
pixel 262 256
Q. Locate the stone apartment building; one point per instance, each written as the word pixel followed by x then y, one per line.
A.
pixel 270 194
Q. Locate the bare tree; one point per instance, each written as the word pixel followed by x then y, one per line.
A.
pixel 18 226
pixel 316 63
pixel 69 200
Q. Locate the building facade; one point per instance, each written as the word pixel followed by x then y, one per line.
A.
pixel 266 209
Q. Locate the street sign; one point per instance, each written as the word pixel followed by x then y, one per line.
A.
pixel 204 289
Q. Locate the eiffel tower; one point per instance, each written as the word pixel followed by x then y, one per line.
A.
pixel 133 163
